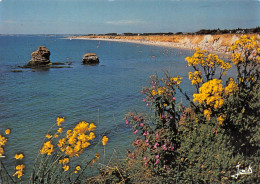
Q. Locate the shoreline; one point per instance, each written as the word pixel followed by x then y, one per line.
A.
pixel 217 44
pixel 205 42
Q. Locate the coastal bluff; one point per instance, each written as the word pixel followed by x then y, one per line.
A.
pixel 217 43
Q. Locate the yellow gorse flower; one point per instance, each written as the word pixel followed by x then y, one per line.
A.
pixel 18 156
pixel 1 151
pixel 48 136
pixel 60 130
pixel 221 119
pixel 161 90
pixel 64 161
pixel 3 140
pixel 60 120
pixel 195 77
pixel 7 131
pixel 231 87
pixel 176 80
pixel 77 140
pixel 78 168
pixel 65 167
pixel 19 170
pixel 47 148
pixel 153 92
pixel 104 140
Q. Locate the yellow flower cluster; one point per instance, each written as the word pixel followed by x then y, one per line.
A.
pixel 60 120
pixel 161 90
pixel 19 170
pixel 198 58
pixel 176 80
pixel 104 140
pixel 221 119
pixel 78 168
pixel 47 148
pixel 18 156
pixel 237 58
pixel 64 162
pixel 7 131
pixel 153 92
pixel 76 140
pixel 210 94
pixel 195 77
pixel 232 86
pixel 3 141
pixel 207 113
pixel 246 43
pixel 207 61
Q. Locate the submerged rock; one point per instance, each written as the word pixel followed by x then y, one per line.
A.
pixel 90 58
pixel 40 57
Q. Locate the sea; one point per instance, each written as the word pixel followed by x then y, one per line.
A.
pixel 31 100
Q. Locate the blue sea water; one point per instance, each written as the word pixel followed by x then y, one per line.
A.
pixel 31 100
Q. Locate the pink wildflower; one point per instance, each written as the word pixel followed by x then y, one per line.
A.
pixel 144 100
pixel 156 162
pixel 157 156
pixel 135 131
pixel 174 98
pixel 164 147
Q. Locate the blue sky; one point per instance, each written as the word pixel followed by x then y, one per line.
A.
pixel 120 16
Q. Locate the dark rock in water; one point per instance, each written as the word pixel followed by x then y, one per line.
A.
pixel 40 57
pixel 90 59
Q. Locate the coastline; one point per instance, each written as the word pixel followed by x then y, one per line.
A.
pixel 217 44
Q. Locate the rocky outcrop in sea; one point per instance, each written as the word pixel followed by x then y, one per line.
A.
pixel 90 59
pixel 40 57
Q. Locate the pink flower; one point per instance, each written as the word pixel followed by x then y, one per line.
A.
pixel 144 158
pixel 126 122
pixel 174 98
pixel 156 136
pixel 164 147
pixel 147 144
pixel 141 124
pixel 147 104
pixel 155 145
pixel 172 148
pixel 137 141
pixel 146 133
pixel 157 156
pixel 135 131
pixel 146 140
pixel 156 162
pixel 144 100
pixel 145 163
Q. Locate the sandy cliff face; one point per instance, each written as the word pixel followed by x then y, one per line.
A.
pixel 211 43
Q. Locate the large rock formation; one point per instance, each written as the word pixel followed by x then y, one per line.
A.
pixel 40 57
pixel 90 58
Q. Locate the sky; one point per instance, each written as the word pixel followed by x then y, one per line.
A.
pixel 121 16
